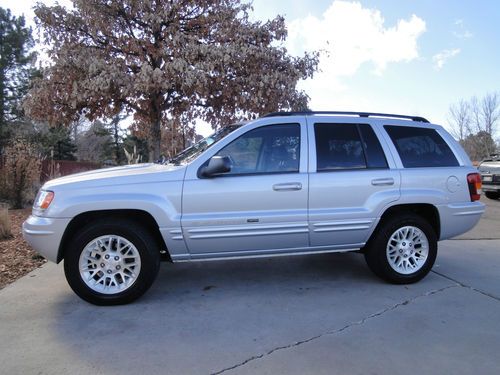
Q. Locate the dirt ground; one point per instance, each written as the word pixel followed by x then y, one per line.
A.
pixel 16 257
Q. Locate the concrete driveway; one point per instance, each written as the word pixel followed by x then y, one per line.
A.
pixel 318 314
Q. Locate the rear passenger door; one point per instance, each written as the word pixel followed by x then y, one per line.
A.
pixel 351 181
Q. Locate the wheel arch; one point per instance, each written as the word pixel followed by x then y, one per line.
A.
pixel 140 217
pixel 377 250
pixel 427 211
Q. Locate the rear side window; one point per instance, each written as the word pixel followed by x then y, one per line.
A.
pixel 420 147
pixel 347 146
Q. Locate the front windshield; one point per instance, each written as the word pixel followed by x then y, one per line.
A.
pixel 193 151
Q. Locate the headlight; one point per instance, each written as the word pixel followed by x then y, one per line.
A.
pixel 43 199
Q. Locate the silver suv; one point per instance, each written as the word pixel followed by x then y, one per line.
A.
pixel 390 186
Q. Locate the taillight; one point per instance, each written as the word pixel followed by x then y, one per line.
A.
pixel 475 184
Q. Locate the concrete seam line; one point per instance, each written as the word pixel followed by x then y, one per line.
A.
pixel 486 294
pixel 475 239
pixel 352 324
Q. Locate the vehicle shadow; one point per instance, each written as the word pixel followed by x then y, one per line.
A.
pixel 255 275
pixel 199 316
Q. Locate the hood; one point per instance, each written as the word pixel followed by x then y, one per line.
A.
pixel 129 174
pixel 490 167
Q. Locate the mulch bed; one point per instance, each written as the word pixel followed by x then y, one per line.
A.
pixel 16 256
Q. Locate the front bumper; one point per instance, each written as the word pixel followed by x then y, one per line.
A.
pixel 44 234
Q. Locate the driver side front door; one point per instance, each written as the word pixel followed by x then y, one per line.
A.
pixel 258 207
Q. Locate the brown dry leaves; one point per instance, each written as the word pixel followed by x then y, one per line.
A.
pixel 20 176
pixel 16 256
pixel 165 61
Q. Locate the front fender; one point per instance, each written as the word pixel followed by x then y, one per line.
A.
pixel 161 200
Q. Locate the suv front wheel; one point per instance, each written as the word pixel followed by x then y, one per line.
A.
pixel 111 262
pixel 402 250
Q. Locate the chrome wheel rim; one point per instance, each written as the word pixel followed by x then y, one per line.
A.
pixel 109 264
pixel 407 250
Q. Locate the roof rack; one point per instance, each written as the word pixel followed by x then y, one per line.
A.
pixel 360 114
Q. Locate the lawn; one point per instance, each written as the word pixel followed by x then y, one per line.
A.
pixel 16 256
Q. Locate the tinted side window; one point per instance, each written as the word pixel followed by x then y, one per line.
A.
pixel 420 147
pixel 269 149
pixel 375 157
pixel 338 146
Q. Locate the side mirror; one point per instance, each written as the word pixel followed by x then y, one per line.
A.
pixel 216 165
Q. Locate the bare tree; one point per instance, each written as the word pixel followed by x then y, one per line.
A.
pixel 476 146
pixel 475 123
pixel 116 132
pixel 459 119
pixel 485 113
pixel 475 115
pixel 95 144
pixel 77 127
pixel 490 111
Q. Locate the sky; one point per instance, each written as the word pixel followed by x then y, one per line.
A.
pixel 413 57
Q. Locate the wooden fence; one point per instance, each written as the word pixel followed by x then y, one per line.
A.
pixel 58 168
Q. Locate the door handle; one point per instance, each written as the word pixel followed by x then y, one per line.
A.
pixel 383 181
pixel 289 186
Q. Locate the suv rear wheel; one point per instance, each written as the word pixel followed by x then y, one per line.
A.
pixel 402 250
pixel 111 262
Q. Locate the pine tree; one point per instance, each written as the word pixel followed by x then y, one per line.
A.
pixel 16 69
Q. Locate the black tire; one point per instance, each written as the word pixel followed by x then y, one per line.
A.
pixel 132 231
pixel 492 194
pixel 376 249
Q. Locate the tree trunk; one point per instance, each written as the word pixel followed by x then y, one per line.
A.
pixel 155 133
pixel 155 140
pixel 116 138
pixel 3 121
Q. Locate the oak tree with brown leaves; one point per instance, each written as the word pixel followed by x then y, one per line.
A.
pixel 167 62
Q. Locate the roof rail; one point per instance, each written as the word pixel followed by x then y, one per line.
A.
pixel 342 113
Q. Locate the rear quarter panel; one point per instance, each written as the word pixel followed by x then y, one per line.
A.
pixel 444 187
